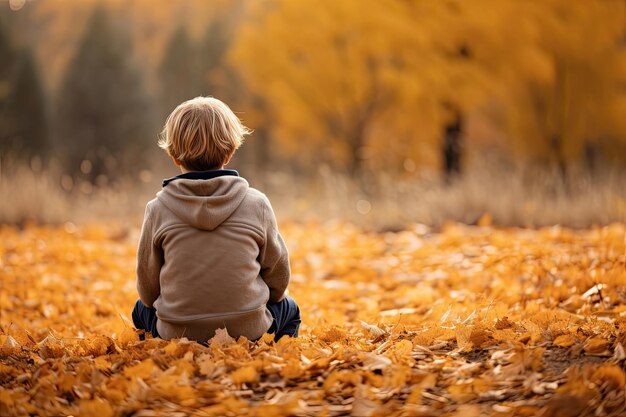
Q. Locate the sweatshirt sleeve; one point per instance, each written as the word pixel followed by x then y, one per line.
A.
pixel 149 262
pixel 274 258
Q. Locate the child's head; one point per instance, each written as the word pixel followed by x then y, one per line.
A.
pixel 202 134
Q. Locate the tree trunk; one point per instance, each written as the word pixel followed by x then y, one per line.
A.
pixel 452 147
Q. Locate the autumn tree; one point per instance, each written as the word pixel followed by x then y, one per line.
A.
pixel 324 97
pixel 562 81
pixel 23 121
pixel 452 146
pixel 367 83
pixel 103 111
pixel 361 84
pixel 367 86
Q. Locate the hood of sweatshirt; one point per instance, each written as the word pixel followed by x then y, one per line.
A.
pixel 204 203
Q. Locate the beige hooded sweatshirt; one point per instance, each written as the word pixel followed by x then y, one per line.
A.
pixel 210 256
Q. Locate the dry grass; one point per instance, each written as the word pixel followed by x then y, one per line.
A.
pixel 30 196
pixel 37 196
pixel 511 198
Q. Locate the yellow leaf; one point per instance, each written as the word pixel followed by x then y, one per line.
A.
pixel 102 363
pixel 292 370
pixel 400 352
pixel 9 344
pixel 334 334
pixel 597 347
pixel 565 340
pixel 171 348
pixel 244 375
pixel 221 337
pixel 485 220
pixel 206 365
pixel 128 336
pixel 143 370
pixel 374 331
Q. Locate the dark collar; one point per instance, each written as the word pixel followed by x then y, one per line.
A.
pixel 202 175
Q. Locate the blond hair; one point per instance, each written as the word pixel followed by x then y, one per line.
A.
pixel 202 133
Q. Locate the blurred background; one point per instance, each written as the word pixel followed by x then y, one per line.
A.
pixel 380 112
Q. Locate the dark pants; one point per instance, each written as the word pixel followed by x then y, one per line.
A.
pixel 286 316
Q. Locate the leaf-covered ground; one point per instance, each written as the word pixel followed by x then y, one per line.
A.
pixel 467 322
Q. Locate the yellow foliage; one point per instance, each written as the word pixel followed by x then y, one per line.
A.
pixel 467 322
pixel 374 82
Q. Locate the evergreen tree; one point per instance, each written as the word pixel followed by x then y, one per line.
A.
pixel 28 102
pixel 221 80
pixel 23 122
pixel 179 72
pixel 104 113
pixel 216 78
pixel 7 69
pixel 7 57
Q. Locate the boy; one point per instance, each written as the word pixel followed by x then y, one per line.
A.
pixel 210 255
